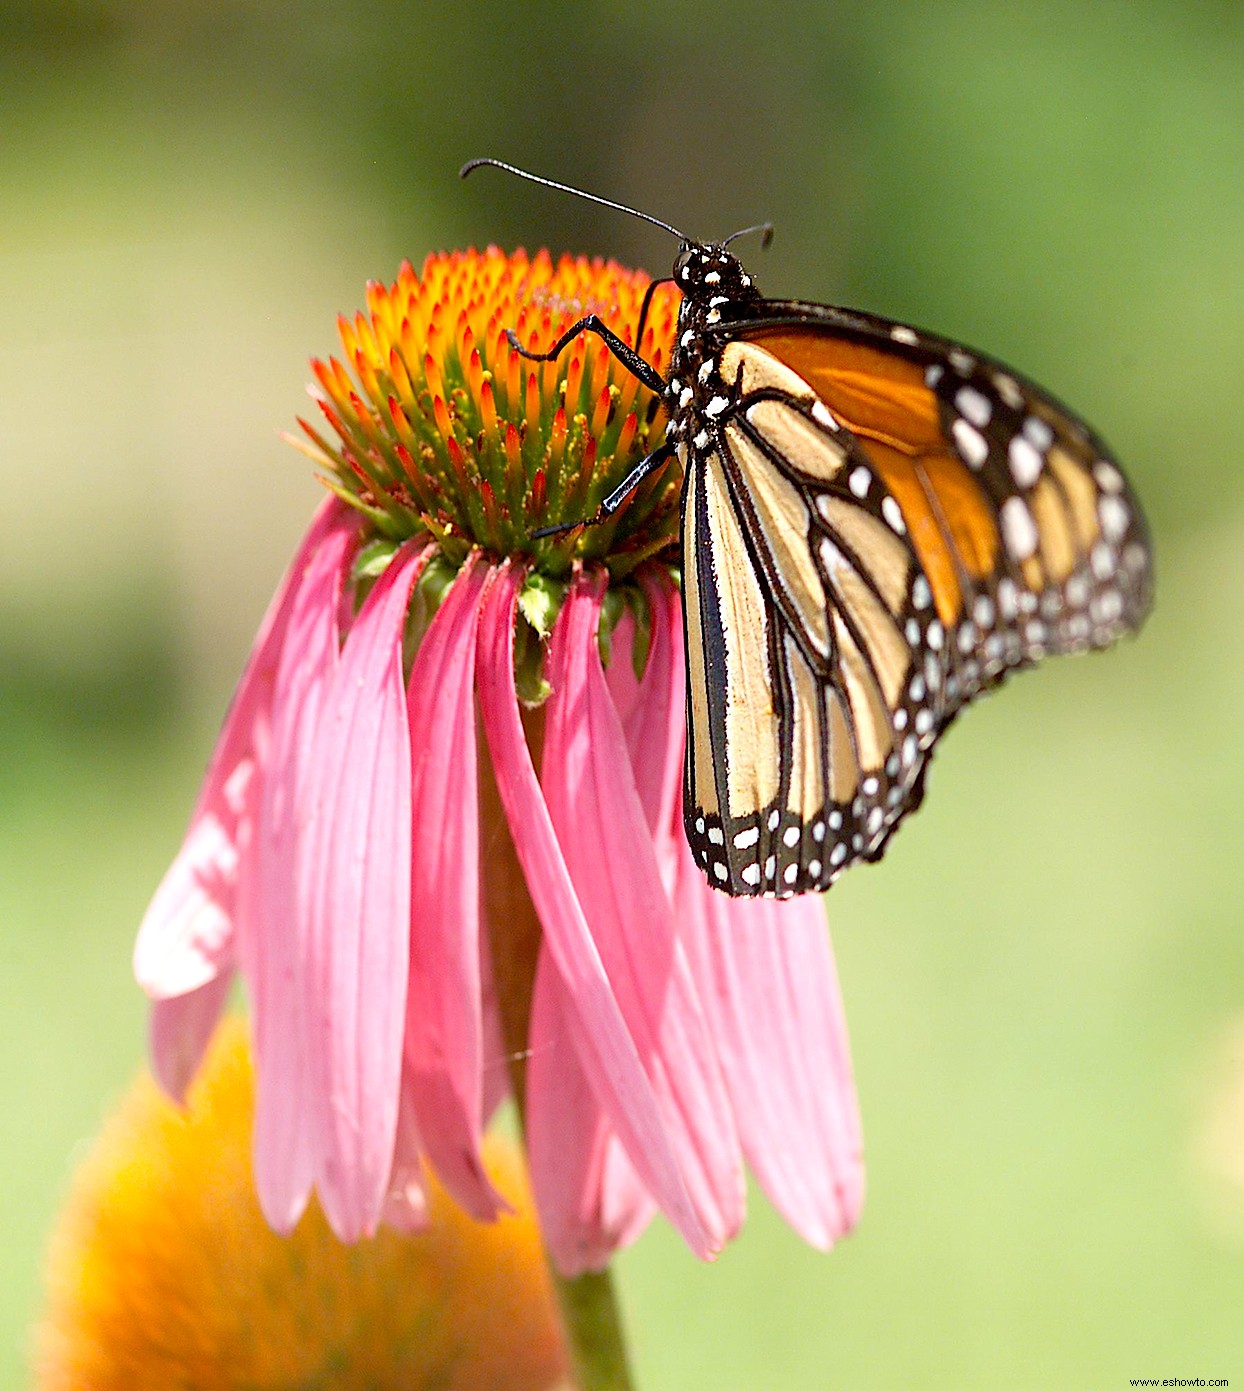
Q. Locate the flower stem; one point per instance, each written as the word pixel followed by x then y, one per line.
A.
pixel 591 1318
pixel 593 1325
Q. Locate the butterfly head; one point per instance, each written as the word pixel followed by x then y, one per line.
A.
pixel 708 274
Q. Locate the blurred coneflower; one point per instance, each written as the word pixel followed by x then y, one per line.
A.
pixel 162 1272
pixel 421 929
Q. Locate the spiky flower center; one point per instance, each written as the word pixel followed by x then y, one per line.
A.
pixel 438 426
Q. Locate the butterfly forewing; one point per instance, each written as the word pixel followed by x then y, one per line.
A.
pixel 878 525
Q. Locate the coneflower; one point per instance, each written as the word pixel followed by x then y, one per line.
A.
pixel 426 920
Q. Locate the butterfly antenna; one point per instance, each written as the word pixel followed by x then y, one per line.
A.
pixel 567 188
pixel 764 228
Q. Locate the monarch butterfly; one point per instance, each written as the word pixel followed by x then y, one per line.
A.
pixel 878 525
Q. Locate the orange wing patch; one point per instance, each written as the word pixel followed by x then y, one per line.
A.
pixel 884 401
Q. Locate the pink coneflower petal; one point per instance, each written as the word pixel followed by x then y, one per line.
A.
pixel 601 1036
pixel 651 711
pixel 255 690
pixel 765 970
pixel 444 1028
pixel 180 1030
pixel 186 936
pixel 596 811
pixel 405 1204
pixel 590 1199
pixel 495 1064
pixel 358 926
pixel 772 991
pixel 274 899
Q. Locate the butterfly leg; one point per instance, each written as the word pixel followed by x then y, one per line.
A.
pixel 610 504
pixel 626 355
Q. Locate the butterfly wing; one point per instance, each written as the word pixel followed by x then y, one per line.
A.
pixel 878 526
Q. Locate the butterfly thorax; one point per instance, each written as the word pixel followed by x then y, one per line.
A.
pixel 716 291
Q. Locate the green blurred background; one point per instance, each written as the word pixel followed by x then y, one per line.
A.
pixel 1045 981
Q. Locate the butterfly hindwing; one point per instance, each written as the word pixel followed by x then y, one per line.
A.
pixel 807 734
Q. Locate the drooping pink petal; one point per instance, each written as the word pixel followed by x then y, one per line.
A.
pixel 273 900
pixel 765 971
pixel 444 1028
pixel 769 983
pixel 590 1199
pixel 180 1029
pixel 358 926
pixel 652 712
pixel 596 811
pixel 494 1063
pixel 604 1043
pixel 255 689
pixel 186 936
pixel 406 1204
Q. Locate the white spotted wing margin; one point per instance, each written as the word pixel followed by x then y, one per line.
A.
pixel 807 736
pixel 1059 497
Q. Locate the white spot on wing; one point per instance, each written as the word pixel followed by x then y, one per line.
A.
pixel 1025 461
pixel 1039 432
pixel 1114 517
pixel 1108 477
pixel 975 405
pixel 1019 531
pixel 972 444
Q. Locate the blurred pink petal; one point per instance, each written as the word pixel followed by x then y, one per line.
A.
pixel 765 971
pixel 405 1204
pixel 596 811
pixel 180 1030
pixel 254 695
pixel 357 941
pixel 444 1028
pixel 186 936
pixel 494 1063
pixel 652 713
pixel 274 903
pixel 590 1199
pixel 771 989
pixel 334 857
pixel 603 1041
